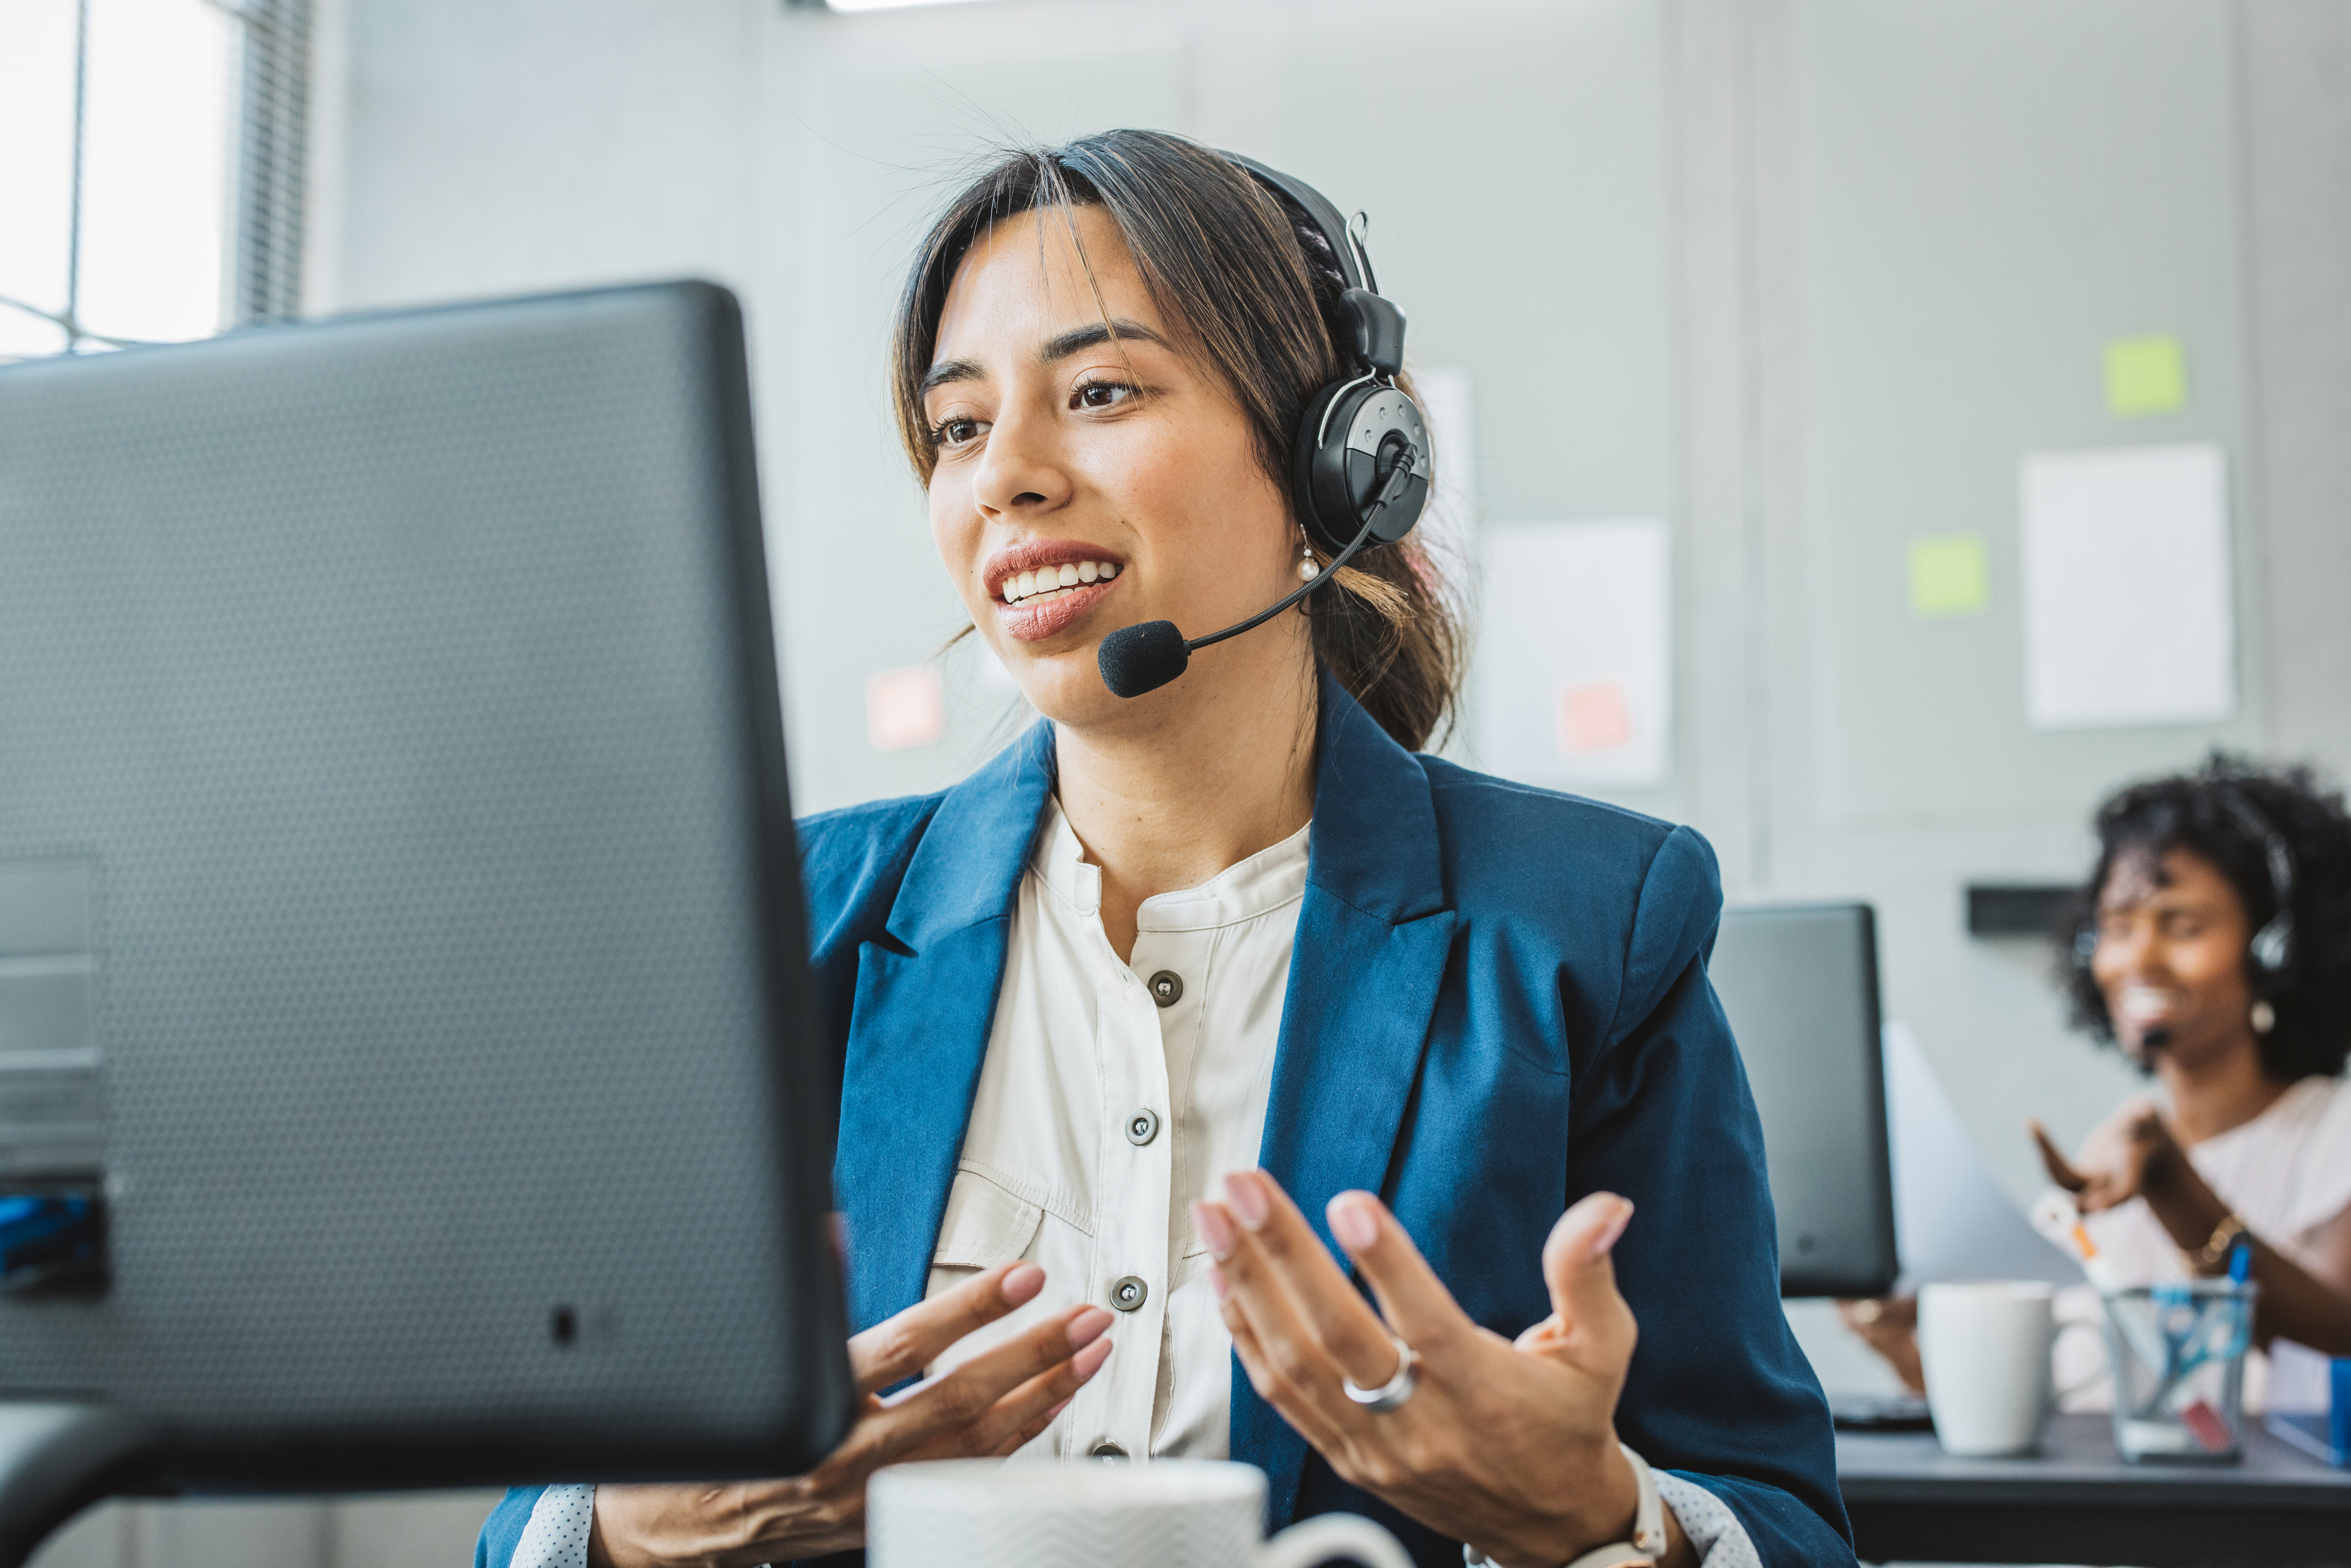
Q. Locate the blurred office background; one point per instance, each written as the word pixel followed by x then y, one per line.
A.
pixel 1785 293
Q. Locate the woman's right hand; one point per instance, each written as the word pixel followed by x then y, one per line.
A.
pixel 991 1405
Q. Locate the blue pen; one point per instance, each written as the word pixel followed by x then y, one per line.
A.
pixel 2240 1262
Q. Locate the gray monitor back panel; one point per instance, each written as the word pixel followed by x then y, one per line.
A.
pixel 1800 986
pixel 399 914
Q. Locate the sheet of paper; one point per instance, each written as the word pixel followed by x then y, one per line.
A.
pixel 1949 576
pixel 905 708
pixel 1573 664
pixel 1449 526
pixel 2146 375
pixel 2128 615
pixel 1951 1220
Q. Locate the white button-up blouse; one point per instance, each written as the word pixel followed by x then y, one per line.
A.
pixel 1115 1093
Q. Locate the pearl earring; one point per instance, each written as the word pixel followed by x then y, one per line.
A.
pixel 1307 570
pixel 2264 1017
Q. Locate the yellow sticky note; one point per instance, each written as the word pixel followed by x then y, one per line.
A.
pixel 2146 375
pixel 1948 576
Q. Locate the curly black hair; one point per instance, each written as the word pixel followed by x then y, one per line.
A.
pixel 2220 813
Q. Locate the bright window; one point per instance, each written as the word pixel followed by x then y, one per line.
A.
pixel 122 126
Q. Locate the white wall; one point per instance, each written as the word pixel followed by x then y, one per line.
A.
pixel 1805 276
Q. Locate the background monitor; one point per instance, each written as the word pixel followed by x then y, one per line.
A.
pixel 401 949
pixel 1800 985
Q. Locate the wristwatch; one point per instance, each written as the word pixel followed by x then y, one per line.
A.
pixel 1649 1542
pixel 2225 1236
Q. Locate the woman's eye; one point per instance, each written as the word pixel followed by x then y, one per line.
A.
pixel 956 432
pixel 1101 394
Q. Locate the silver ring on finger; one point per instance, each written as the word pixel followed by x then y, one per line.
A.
pixel 1391 1394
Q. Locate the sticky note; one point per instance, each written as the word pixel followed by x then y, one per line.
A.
pixel 2146 375
pixel 905 708
pixel 1594 717
pixel 1948 576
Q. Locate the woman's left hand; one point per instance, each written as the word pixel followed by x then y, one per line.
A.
pixel 1511 1446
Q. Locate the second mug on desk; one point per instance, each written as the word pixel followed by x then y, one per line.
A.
pixel 1984 1348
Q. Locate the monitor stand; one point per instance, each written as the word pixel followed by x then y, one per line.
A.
pixel 55 1460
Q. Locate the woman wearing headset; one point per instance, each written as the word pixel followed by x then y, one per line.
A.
pixel 2213 944
pixel 1193 1001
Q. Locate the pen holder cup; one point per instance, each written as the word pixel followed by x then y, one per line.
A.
pixel 2178 1351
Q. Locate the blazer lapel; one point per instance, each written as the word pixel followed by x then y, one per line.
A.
pixel 1374 932
pixel 918 1033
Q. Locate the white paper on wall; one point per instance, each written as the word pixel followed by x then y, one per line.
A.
pixel 1450 523
pixel 2127 599
pixel 1574 677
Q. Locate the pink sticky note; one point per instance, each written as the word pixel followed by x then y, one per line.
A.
pixel 1594 717
pixel 904 708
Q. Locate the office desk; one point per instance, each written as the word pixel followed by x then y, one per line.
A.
pixel 2076 1502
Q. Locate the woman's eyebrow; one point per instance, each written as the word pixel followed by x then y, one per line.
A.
pixel 946 371
pixel 1077 339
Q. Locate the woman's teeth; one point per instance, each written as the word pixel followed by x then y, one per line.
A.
pixel 2143 1005
pixel 1048 581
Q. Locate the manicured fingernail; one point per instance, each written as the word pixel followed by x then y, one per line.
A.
pixel 1612 1229
pixel 1055 1413
pixel 1022 1283
pixel 1247 1200
pixel 1215 1229
pixel 1087 1327
pixel 1216 1284
pixel 1088 1361
pixel 1354 1221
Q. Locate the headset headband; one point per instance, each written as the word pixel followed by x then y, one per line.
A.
pixel 1354 268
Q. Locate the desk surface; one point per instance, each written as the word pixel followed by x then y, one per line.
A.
pixel 2077 1501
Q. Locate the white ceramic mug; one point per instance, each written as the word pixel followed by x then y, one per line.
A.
pixel 1985 1351
pixel 1031 1513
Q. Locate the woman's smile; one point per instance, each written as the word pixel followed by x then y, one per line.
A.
pixel 2140 1007
pixel 1044 587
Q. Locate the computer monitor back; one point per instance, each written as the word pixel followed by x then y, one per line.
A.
pixel 1799 983
pixel 401 935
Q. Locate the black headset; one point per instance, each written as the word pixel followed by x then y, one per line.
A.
pixel 1361 468
pixel 1354 432
pixel 2271 949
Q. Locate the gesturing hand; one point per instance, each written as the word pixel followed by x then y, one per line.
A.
pixel 991 1403
pixel 2131 1155
pixel 1511 1446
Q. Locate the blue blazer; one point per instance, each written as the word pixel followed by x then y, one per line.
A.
pixel 1497 1002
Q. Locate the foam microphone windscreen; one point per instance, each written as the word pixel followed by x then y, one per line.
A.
pixel 1143 657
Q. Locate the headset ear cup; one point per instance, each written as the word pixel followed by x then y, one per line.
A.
pixel 1322 535
pixel 1335 476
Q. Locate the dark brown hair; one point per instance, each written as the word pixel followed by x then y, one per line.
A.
pixel 1254 283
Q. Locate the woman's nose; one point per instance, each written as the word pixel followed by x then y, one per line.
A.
pixel 1021 471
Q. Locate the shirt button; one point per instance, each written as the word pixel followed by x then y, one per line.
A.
pixel 1166 987
pixel 1129 1293
pixel 1108 1452
pixel 1142 1127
